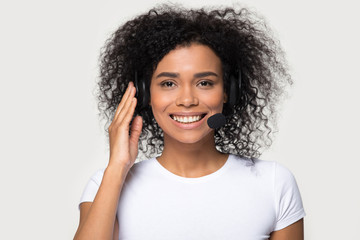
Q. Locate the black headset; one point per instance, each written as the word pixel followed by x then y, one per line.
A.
pixel 233 90
pixel 143 95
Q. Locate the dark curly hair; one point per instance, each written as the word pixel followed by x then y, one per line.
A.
pixel 240 39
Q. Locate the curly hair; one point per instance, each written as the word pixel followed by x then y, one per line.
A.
pixel 240 39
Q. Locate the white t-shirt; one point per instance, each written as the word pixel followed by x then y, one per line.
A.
pixel 238 201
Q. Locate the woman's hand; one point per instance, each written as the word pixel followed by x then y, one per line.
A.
pixel 98 218
pixel 124 147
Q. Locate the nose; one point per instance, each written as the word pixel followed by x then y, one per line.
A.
pixel 187 97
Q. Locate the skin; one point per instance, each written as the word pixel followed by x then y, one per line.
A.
pixel 184 84
pixel 187 80
pixel 293 232
pixel 98 219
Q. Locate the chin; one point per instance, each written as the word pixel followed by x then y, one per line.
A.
pixel 190 138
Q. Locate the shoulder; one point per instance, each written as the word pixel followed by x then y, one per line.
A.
pixel 138 166
pixel 142 166
pixel 284 179
pixel 252 163
pixel 282 172
pixel 272 167
pixel 271 171
pixel 280 181
pixel 143 163
pixel 254 166
pixel 95 180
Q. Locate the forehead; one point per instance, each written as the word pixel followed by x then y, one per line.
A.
pixel 195 57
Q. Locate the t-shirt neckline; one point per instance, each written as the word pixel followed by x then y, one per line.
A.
pixel 208 177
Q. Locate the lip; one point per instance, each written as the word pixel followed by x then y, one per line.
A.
pixel 188 126
pixel 187 113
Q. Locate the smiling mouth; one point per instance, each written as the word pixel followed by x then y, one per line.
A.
pixel 187 119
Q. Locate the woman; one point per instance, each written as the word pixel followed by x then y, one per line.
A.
pixel 177 68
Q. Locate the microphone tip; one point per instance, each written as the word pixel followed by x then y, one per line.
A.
pixel 216 121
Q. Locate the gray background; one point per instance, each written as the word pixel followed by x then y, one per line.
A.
pixel 52 141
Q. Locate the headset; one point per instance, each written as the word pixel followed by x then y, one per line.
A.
pixel 143 95
pixel 234 88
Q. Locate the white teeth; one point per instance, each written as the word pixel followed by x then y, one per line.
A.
pixel 189 119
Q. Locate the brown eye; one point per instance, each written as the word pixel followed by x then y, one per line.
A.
pixel 206 84
pixel 167 84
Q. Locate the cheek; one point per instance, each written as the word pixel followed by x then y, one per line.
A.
pixel 214 101
pixel 159 102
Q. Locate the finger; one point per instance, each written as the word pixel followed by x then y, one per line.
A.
pixel 136 128
pixel 125 108
pixel 124 98
pixel 128 109
pixel 127 116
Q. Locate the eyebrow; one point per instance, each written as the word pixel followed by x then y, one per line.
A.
pixel 168 74
pixel 196 75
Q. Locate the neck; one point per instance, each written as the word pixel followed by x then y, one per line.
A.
pixel 191 159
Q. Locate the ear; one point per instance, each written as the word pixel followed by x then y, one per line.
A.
pixel 225 98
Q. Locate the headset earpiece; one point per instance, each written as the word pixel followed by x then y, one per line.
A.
pixel 136 86
pixel 234 89
pixel 141 93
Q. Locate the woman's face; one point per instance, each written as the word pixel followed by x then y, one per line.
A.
pixel 186 89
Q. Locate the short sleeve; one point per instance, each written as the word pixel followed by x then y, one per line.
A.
pixel 288 203
pixel 92 187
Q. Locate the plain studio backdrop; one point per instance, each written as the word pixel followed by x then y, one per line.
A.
pixel 52 141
